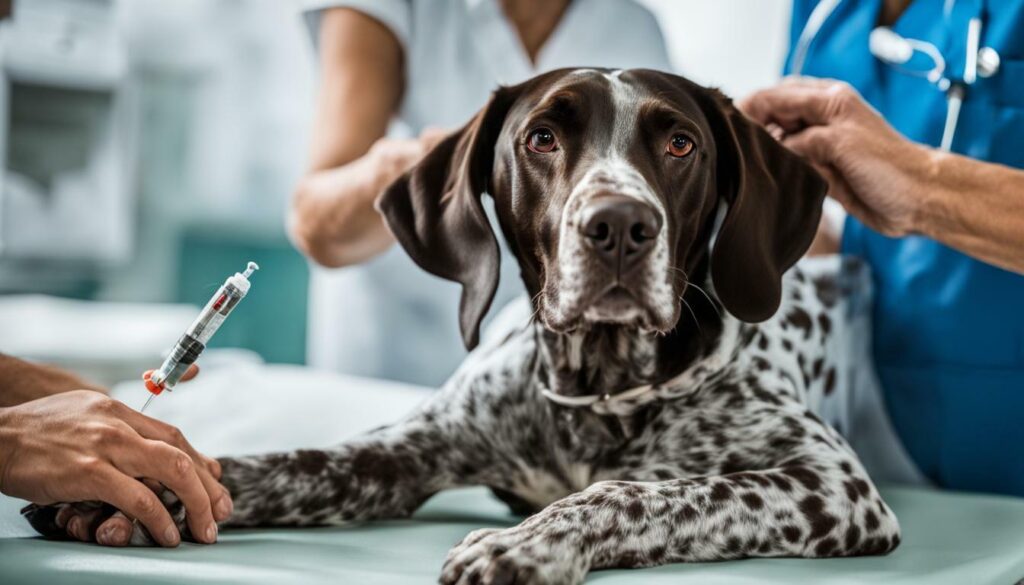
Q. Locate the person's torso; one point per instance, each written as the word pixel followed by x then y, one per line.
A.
pixel 948 329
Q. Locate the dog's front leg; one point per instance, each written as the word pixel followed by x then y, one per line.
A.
pixel 803 510
pixel 453 439
pixel 386 473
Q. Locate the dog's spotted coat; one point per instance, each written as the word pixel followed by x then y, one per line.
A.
pixel 733 465
pixel 726 458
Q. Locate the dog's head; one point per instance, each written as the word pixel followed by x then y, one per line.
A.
pixel 608 186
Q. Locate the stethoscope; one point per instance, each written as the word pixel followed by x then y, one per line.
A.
pixel 893 49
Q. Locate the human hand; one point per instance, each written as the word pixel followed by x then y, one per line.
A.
pixel 431 135
pixel 84 446
pixel 875 173
pixel 397 155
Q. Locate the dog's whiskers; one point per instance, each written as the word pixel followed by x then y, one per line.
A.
pixel 688 282
pixel 711 302
pixel 692 314
pixel 534 301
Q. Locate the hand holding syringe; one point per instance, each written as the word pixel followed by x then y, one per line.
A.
pixel 143 448
pixel 195 338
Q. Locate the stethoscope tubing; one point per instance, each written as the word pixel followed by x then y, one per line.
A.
pixel 955 90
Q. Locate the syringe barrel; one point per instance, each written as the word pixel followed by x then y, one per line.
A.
pixel 198 334
pixel 185 353
pixel 216 310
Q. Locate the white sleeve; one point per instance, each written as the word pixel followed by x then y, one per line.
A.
pixel 396 15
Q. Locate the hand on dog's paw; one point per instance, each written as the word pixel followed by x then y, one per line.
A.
pixel 517 555
pixel 101 523
pixel 52 521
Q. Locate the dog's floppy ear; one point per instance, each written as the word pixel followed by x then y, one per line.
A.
pixel 774 205
pixel 435 212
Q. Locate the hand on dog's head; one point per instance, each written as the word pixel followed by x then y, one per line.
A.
pixel 607 186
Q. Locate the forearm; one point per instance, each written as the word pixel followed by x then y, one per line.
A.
pixel 21 381
pixel 332 218
pixel 975 207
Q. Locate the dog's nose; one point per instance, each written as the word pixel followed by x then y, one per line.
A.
pixel 620 229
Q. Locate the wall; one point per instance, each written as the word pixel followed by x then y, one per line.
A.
pixel 737 45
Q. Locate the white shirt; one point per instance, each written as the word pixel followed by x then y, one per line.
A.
pixel 388 318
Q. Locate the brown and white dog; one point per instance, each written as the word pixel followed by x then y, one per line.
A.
pixel 655 407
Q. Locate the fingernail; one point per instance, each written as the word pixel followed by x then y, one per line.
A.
pixel 75 526
pixel 211 533
pixel 103 535
pixel 224 507
pixel 171 536
pixel 111 535
pixel 120 535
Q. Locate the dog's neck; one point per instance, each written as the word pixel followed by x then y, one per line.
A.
pixel 603 359
pixel 609 359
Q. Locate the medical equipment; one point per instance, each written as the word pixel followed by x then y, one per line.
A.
pixel 195 338
pixel 897 51
pixel 70 111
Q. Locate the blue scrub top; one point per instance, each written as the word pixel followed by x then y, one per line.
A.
pixel 948 329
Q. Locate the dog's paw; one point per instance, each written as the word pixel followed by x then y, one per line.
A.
pixel 517 555
pixel 80 520
pixel 50 521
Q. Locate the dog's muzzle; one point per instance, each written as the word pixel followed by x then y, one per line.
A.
pixel 619 230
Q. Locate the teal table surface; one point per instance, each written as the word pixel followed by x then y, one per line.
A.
pixel 951 539
pixel 948 538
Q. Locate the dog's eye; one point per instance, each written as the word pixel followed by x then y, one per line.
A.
pixel 679 146
pixel 542 140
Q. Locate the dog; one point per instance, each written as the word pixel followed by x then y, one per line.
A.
pixel 655 407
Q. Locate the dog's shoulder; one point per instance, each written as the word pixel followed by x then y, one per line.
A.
pixel 818 294
pixel 506 356
pixel 825 308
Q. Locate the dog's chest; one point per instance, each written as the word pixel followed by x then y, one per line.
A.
pixel 541 487
pixel 576 454
pixel 583 452
pixel 779 369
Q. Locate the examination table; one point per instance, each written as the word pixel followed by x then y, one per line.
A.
pixel 949 538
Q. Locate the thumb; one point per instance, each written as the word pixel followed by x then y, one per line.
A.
pixel 431 135
pixel 190 373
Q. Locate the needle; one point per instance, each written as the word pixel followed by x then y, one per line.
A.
pixel 148 400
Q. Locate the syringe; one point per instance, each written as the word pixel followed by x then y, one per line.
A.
pixel 194 341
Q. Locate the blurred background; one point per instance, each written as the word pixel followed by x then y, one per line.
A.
pixel 149 149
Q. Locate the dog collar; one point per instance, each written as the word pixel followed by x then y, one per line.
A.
pixel 693 378
pixel 608 400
